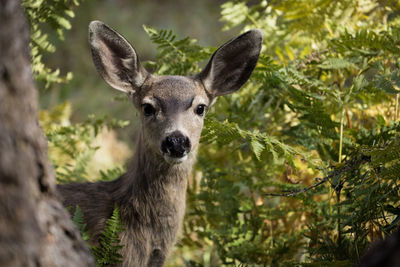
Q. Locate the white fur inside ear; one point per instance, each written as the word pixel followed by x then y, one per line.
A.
pixel 209 81
pixel 111 70
pixel 127 62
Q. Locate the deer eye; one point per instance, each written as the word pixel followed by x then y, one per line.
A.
pixel 200 109
pixel 148 110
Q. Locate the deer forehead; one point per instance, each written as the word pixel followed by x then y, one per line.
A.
pixel 174 93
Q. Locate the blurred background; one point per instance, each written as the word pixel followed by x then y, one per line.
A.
pixel 87 92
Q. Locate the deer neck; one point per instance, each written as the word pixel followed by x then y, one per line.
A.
pixel 151 180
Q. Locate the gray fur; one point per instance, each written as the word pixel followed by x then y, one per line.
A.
pixel 151 195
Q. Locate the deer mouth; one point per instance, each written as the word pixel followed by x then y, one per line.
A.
pixel 175 160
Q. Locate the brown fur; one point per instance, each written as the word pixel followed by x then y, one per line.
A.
pixel 151 195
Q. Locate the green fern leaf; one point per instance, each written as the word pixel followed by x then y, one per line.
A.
pixel 79 220
pixel 386 85
pixel 336 63
pixel 108 251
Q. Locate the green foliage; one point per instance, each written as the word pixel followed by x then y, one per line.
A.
pixel 226 132
pixel 42 16
pixel 107 252
pixel 79 220
pixel 175 57
pixel 322 102
pixel 111 174
pixel 72 146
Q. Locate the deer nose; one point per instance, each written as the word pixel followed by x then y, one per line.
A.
pixel 176 145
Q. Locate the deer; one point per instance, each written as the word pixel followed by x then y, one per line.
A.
pixel 151 195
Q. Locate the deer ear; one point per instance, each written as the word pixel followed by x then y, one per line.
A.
pixel 115 59
pixel 232 64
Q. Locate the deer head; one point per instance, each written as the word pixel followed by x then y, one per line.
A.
pixel 172 108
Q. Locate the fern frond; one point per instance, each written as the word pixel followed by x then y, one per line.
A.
pixel 79 220
pixel 233 14
pixel 111 174
pixel 367 42
pixel 56 15
pixel 226 132
pixel 336 63
pixel 108 251
pixel 386 84
pixel 176 57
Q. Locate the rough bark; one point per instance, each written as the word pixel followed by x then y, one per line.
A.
pixel 35 230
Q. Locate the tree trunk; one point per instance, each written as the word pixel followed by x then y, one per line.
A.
pixel 35 230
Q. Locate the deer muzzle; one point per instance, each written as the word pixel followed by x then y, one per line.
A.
pixel 176 146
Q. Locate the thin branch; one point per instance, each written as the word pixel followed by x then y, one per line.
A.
pixel 348 117
pixel 297 192
pixel 352 164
